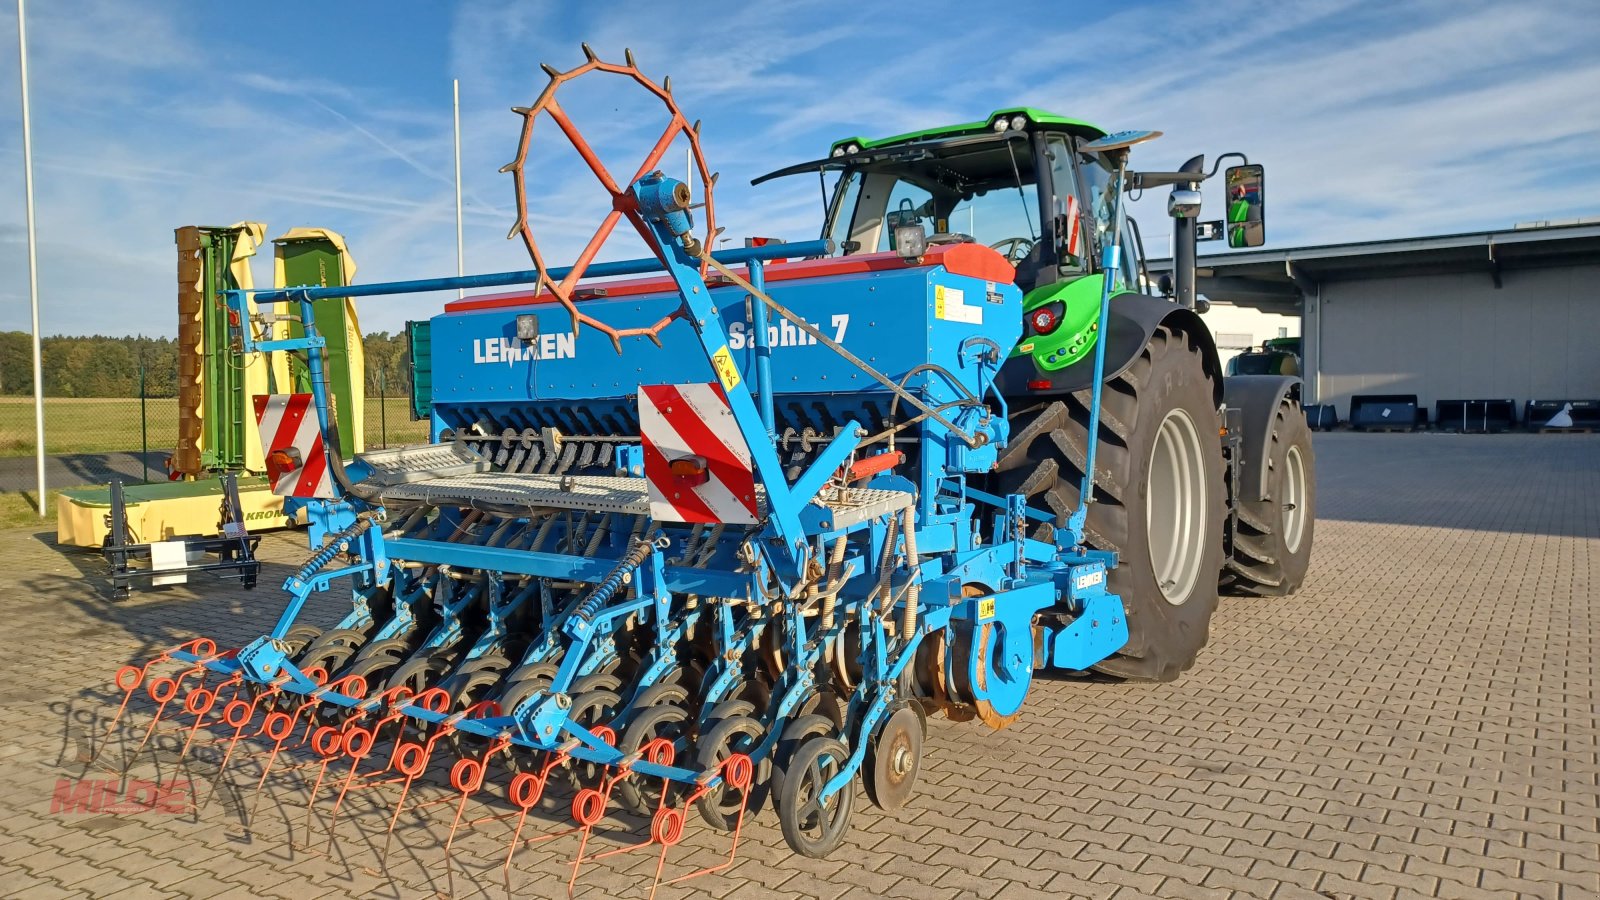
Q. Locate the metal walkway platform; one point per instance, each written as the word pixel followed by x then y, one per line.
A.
pixel 600 493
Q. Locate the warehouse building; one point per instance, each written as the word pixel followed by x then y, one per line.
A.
pixel 1503 315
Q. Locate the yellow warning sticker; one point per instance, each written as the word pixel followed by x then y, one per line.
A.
pixel 950 304
pixel 727 372
pixel 986 608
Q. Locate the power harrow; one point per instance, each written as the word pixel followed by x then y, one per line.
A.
pixel 732 566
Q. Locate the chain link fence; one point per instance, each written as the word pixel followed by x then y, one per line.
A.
pixel 90 440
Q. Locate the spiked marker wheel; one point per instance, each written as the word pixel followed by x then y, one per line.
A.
pixel 623 204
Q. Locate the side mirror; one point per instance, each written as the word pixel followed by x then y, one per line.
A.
pixel 1246 209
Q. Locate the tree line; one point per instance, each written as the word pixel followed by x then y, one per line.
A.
pixel 101 366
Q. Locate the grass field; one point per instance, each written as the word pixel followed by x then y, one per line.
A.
pixel 110 425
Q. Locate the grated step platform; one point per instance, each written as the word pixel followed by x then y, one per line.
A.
pixel 421 462
pixel 603 493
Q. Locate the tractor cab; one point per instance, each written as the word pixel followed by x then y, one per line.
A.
pixel 1017 182
pixel 1020 182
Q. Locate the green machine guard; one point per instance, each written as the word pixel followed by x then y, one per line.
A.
pixel 318 257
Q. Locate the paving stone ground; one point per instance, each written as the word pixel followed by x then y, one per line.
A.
pixel 1420 720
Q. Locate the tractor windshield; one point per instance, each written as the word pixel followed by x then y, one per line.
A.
pixel 981 191
pixel 980 188
pixel 1003 218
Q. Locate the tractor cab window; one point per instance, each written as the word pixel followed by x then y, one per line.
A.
pixel 1070 218
pixel 907 204
pixel 978 191
pixel 1000 218
pixel 846 193
pixel 1099 194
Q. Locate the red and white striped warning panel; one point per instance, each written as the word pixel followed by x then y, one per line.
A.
pixel 695 460
pixel 297 464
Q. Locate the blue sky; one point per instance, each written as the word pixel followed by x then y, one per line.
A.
pixel 1374 119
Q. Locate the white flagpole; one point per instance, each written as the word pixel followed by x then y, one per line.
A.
pixel 33 260
pixel 461 257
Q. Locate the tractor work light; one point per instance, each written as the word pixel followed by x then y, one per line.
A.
pixel 838 151
pixel 1000 124
pixel 853 149
pixel 1019 122
pixel 910 241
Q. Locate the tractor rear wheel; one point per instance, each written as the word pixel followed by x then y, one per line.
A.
pixel 1159 495
pixel 1272 541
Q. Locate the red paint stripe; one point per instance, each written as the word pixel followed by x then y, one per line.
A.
pixel 688 504
pixel 294 409
pixel 314 470
pixel 720 460
pixel 972 260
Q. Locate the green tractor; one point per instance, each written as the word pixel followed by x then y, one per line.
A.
pixel 1276 356
pixel 1203 483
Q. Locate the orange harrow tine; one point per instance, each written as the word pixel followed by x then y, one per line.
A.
pixel 658 751
pixel 129 677
pixel 197 702
pixel 278 726
pixel 666 825
pixel 327 741
pixel 238 714
pixel 357 745
pixel 466 776
pixel 525 791
pixel 161 690
pixel 589 807
pixel 738 771
pixel 411 768
pixel 287 723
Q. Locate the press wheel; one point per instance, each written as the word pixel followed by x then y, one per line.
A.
pixel 812 825
pixel 642 794
pixel 734 734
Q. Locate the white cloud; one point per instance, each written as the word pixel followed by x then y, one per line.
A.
pixel 1374 120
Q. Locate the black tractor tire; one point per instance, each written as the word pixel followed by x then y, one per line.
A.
pixel 1272 538
pixel 1158 418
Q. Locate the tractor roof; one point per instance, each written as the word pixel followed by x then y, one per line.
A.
pixel 1037 116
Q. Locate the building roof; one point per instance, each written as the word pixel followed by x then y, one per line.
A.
pixel 1272 280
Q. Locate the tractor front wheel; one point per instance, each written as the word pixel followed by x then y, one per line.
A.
pixel 1159 495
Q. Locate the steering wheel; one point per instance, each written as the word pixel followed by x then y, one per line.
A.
pixel 1014 249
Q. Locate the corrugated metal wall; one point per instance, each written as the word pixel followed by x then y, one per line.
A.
pixel 1449 337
